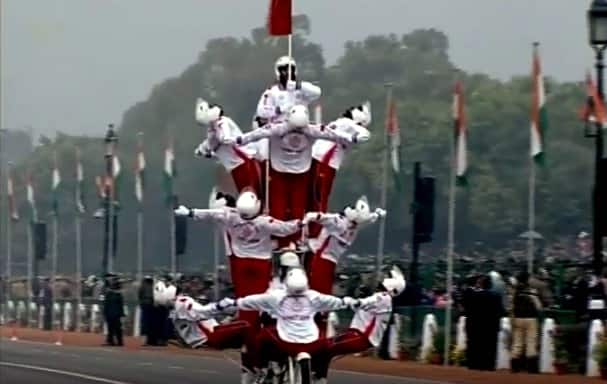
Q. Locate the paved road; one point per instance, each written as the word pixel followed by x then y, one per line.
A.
pixel 34 363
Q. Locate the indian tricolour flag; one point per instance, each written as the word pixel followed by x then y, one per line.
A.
pixel 393 132
pixel 55 182
pixel 10 189
pixel 31 199
pixel 139 172
pixel 460 134
pixel 594 110
pixel 539 118
pixel 79 193
pixel 169 173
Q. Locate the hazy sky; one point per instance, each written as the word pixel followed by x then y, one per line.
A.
pixel 74 65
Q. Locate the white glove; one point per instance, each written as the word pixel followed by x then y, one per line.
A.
pixel 309 217
pixel 203 150
pixel 225 303
pixel 230 140
pixel 291 85
pixel 359 137
pixel 368 302
pixel 182 211
pixel 380 212
pixel 350 302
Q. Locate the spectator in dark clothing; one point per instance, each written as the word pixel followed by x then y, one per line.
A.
pixel 46 301
pixel 484 310
pixel 146 302
pixel 113 311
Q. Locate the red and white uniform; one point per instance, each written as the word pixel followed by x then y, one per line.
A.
pixel 367 329
pixel 295 329
pixel 337 235
pixel 196 326
pixel 327 157
pixel 291 157
pixel 276 101
pixel 250 246
pixel 238 160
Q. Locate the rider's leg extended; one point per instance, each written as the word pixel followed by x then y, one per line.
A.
pixel 350 342
pixel 231 335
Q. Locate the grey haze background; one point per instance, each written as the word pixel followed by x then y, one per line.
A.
pixel 74 65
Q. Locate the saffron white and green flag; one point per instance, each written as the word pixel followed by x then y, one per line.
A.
pixel 169 173
pixel 539 117
pixel 55 182
pixel 460 135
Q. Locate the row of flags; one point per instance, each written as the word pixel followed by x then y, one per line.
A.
pixel 104 184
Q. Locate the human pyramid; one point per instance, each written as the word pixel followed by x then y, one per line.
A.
pixel 285 168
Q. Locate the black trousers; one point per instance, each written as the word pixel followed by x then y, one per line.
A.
pixel 114 330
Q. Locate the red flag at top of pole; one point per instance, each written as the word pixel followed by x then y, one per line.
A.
pixel 280 18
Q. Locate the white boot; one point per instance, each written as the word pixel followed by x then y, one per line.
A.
pixel 320 381
pixel 247 378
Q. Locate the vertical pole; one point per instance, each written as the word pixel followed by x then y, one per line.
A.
pixel 78 269
pixel 531 231
pixel 216 240
pixel 450 248
pixel 597 236
pixel 30 271
pixel 415 250
pixel 54 265
pixel 9 240
pixel 140 245
pixel 172 229
pixel 379 258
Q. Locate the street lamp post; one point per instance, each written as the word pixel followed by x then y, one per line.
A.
pixel 111 140
pixel 597 27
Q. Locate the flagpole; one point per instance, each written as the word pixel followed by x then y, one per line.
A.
pixel 30 272
pixel 173 253
pixel 379 258
pixel 140 214
pixel 54 264
pixel 450 249
pixel 9 235
pixel 531 232
pixel 78 267
pixel 216 240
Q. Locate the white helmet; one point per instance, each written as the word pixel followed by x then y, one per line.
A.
pixel 296 281
pixel 362 114
pixel 164 293
pixel 284 61
pixel 289 259
pixel 360 212
pixel 395 284
pixel 248 204
pixel 207 113
pixel 298 116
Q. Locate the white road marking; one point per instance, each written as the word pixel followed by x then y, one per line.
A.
pixel 144 364
pixel 407 379
pixel 175 367
pixel 62 372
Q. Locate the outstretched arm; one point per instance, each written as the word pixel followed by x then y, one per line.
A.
pixel 327 133
pixel 220 214
pixel 281 228
pixel 327 303
pixel 262 302
pixel 333 222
